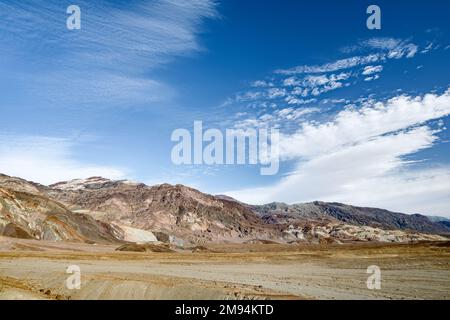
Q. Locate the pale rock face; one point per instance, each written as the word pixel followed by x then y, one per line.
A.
pixel 296 233
pixel 91 184
pixel 137 235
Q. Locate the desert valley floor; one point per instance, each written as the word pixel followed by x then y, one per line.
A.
pixel 32 269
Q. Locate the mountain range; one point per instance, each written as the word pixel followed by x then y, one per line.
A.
pixel 99 210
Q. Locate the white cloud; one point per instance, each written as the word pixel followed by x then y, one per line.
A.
pixel 249 96
pixel 315 80
pixel 398 53
pixel 261 84
pixel 296 101
pixel 299 91
pixel 368 70
pixel 48 160
pixel 382 43
pixel 314 84
pixel 293 114
pixel 395 48
pixel 291 81
pixel 278 118
pixel 428 48
pixel 333 66
pixel 355 126
pixel 276 93
pixel 358 158
pixel 385 48
pixel 374 77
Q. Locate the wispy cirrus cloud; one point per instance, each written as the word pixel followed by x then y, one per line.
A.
pixel 113 54
pixel 101 89
pixel 312 86
pixel 332 66
pixel 304 83
pixel 385 48
pixel 111 61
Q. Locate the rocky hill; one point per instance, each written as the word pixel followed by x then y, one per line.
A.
pixel 99 210
pixel 176 210
pixel 26 212
pixel 359 216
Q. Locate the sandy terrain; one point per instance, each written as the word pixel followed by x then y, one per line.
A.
pixel 36 270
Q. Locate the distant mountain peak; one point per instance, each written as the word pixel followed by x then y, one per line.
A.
pixel 91 183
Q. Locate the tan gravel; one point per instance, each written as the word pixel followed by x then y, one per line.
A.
pixel 36 270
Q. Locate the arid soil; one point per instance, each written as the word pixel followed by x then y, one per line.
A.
pixel 32 269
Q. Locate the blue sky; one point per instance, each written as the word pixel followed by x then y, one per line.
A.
pixel 363 114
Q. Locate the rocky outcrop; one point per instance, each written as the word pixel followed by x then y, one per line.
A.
pixel 33 216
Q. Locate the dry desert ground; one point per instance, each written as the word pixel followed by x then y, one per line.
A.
pixel 32 269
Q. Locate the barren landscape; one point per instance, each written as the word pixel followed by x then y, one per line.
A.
pixel 224 150
pixel 133 241
pixel 31 269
